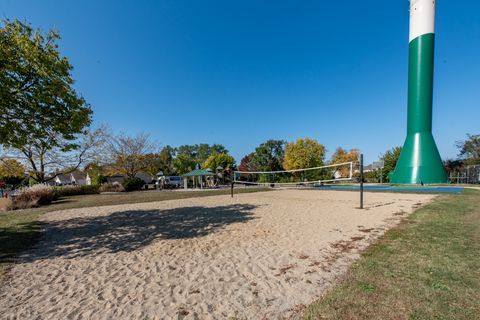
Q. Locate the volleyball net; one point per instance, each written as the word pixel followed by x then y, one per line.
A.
pixel 307 177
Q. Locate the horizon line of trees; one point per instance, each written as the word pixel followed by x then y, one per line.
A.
pixel 46 127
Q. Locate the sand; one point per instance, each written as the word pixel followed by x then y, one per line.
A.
pixel 257 256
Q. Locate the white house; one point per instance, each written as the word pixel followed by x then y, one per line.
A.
pixel 73 178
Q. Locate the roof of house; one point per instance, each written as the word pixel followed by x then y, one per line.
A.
pixel 62 178
pixel 198 172
pixel 78 175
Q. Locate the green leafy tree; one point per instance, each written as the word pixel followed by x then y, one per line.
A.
pixel 301 154
pixel 183 164
pixel 268 156
pixel 470 149
pixel 96 174
pixel 41 115
pixel 153 163
pixel 166 157
pixel 390 159
pixel 200 152
pixel 216 160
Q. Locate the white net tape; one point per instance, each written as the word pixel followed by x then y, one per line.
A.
pixel 299 177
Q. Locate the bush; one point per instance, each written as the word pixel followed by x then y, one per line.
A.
pixel 33 196
pixel 66 191
pixel 131 184
pixel 112 187
pixel 6 204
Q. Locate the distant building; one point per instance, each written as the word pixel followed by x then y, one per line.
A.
pixel 73 178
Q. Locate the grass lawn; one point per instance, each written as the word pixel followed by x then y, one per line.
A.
pixel 20 229
pixel 426 268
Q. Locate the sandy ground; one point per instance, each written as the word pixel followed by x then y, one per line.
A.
pixel 256 256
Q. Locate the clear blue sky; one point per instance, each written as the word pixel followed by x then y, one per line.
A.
pixel 241 72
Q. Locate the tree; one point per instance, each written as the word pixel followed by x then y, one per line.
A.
pixel 11 171
pixel 246 163
pixel 470 149
pixel 200 152
pixel 390 159
pixel 216 160
pixel 41 115
pixel 166 157
pixel 183 164
pixel 96 174
pixel 268 156
pixel 303 153
pixel 153 164
pixel 129 153
pixel 11 168
pixel 341 156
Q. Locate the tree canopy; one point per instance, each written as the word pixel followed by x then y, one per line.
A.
pixel 39 109
pixel 470 149
pixel 268 156
pixel 11 168
pixel 131 153
pixel 303 153
pixel 390 158
pixel 216 160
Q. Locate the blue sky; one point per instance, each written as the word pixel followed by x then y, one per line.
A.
pixel 241 72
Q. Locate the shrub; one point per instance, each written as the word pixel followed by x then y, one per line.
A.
pixel 33 196
pixel 66 191
pixel 131 184
pixel 6 204
pixel 112 187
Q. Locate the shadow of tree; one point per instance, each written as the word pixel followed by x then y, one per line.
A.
pixel 131 230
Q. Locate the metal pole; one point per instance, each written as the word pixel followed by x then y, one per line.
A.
pixel 361 181
pixel 233 183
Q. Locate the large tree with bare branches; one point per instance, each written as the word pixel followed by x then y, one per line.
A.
pixel 131 153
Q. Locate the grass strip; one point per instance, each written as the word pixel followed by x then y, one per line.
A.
pixel 426 268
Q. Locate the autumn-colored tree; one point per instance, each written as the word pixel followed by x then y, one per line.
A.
pixel 12 172
pixel 11 168
pixel 342 156
pixel 130 153
pixel 303 153
pixel 246 163
pixel 216 160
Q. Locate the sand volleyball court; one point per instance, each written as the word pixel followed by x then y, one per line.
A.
pixel 256 256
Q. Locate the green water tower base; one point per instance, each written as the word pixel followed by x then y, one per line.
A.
pixel 419 161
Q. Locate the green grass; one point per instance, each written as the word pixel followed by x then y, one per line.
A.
pixel 20 229
pixel 426 268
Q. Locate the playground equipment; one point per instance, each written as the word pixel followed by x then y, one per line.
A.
pixel 420 161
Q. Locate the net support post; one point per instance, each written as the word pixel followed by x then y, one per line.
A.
pixel 232 179
pixel 361 181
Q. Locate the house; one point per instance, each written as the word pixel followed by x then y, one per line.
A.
pixel 73 178
pixel 61 180
pixel 118 178
pixel 78 178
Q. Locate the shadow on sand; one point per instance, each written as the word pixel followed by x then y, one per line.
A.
pixel 131 230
